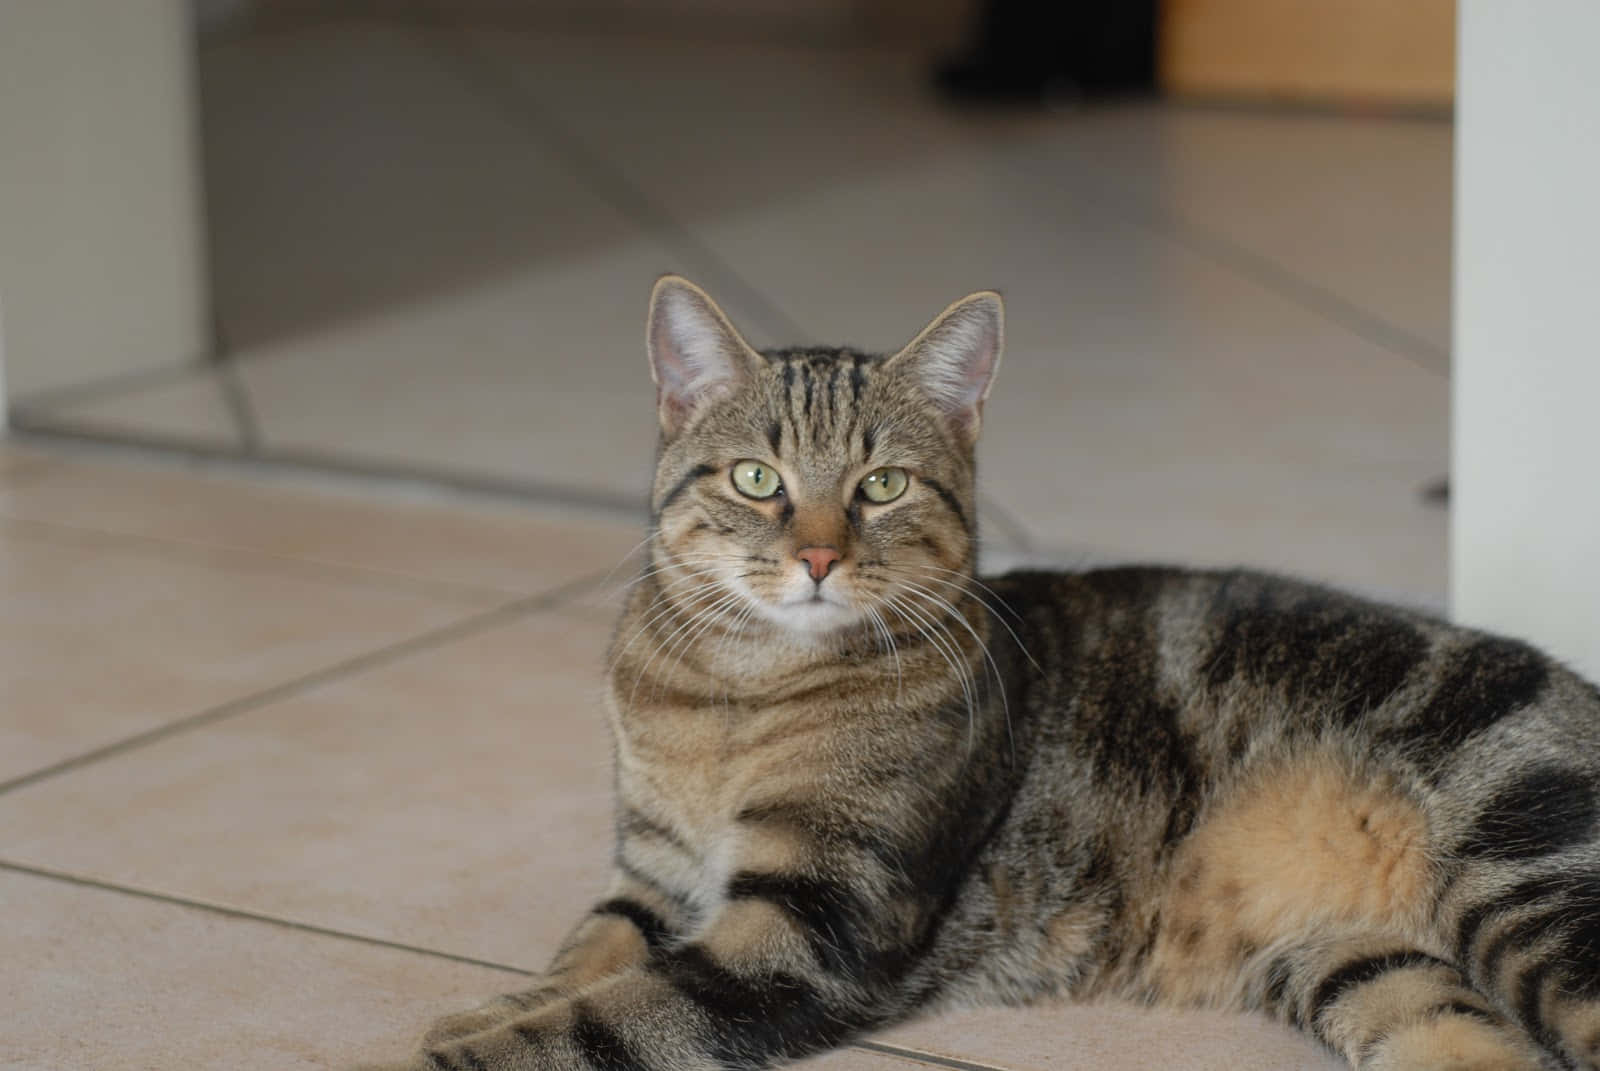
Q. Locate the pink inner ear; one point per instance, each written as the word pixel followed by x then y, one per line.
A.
pixel 693 352
pixel 957 357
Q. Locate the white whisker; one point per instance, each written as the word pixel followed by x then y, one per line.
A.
pixel 941 640
pixel 1000 683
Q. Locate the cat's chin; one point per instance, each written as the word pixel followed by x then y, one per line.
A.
pixel 813 617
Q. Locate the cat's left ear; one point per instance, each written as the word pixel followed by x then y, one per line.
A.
pixel 955 358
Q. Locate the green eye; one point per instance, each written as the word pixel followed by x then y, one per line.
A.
pixel 755 479
pixel 884 485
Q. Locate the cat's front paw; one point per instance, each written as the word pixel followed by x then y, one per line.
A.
pixel 496 1012
pixel 540 1042
pixel 462 1024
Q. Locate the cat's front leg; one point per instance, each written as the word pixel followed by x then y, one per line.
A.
pixel 791 965
pixel 627 925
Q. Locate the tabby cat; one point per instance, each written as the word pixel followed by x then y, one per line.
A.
pixel 856 784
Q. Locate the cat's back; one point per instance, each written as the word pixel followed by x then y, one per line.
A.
pixel 1220 663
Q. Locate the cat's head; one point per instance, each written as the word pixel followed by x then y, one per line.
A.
pixel 810 487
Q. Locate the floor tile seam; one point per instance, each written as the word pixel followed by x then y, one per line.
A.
pixel 109 386
pixel 176 900
pixel 1012 529
pixel 1274 277
pixel 919 1056
pixel 235 558
pixel 594 168
pixel 614 506
pixel 1020 538
pixel 430 640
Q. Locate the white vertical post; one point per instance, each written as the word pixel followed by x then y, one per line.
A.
pixel 101 241
pixel 1525 474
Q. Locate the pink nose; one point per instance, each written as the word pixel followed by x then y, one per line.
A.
pixel 820 559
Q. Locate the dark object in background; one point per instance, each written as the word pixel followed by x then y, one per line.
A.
pixel 1027 52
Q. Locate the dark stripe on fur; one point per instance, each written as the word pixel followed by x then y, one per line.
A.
pixel 827 828
pixel 473 1063
pixel 762 1020
pixel 1569 906
pixel 602 1046
pixel 1279 973
pixel 1483 683
pixel 1360 972
pixel 632 822
pixel 852 515
pixel 647 922
pixel 1520 895
pixel 697 473
pixel 1529 995
pixel 949 500
pixel 440 1062
pixel 1547 809
pixel 675 898
pixel 1469 1011
pixel 1580 943
pixel 1326 648
pixel 775 436
pixel 838 925
pixel 524 1001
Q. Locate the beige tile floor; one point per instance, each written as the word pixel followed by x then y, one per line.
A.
pixel 285 770
pixel 1228 334
pixel 288 765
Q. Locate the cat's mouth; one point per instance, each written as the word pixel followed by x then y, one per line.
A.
pixel 814 612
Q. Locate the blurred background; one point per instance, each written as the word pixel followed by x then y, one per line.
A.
pixel 413 240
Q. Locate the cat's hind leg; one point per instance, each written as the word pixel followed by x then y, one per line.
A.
pixel 1535 944
pixel 1384 1006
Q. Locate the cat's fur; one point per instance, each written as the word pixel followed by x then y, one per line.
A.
pixel 1215 788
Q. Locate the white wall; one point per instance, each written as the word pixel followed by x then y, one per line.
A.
pixel 1525 541
pixel 100 237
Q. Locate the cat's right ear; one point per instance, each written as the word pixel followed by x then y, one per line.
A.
pixel 696 355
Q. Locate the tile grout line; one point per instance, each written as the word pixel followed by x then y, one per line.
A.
pixel 1275 278
pixel 46 429
pixel 173 900
pixel 429 640
pixel 923 1057
pixel 199 551
pixel 593 167
pixel 109 386
pixel 1003 520
pixel 253 916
